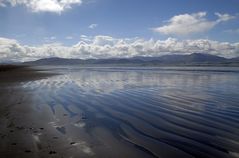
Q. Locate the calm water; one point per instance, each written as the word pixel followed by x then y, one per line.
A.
pixel 155 112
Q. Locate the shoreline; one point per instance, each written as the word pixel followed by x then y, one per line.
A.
pixel 114 112
pixel 21 73
pixel 31 128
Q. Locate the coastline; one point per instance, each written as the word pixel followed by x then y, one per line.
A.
pixel 20 73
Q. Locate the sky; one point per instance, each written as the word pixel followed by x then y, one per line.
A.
pixel 34 29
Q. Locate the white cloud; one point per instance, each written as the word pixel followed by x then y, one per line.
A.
pixel 224 17
pixel 109 47
pixel 93 26
pixel 2 4
pixel 186 24
pixel 56 6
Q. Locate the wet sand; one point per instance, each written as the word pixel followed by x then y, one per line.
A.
pixel 119 112
pixel 31 127
pixel 19 123
pixel 20 73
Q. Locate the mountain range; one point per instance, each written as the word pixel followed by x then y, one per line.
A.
pixel 199 59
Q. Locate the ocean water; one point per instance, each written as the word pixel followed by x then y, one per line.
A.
pixel 144 112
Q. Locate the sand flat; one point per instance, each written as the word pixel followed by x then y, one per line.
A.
pixel 122 112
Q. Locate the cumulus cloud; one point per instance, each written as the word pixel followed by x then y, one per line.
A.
pixel 93 26
pixel 109 47
pixel 56 6
pixel 186 24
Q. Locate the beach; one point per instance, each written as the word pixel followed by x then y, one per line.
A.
pixel 29 127
pixel 70 111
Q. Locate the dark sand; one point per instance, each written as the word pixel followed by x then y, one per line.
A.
pixel 20 73
pixel 30 129
pixel 20 127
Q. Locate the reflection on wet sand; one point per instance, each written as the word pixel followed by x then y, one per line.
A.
pixel 123 112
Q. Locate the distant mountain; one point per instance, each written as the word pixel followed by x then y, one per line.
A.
pixel 235 59
pixel 192 59
pixel 55 61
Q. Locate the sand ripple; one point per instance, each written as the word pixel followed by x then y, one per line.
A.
pixel 162 113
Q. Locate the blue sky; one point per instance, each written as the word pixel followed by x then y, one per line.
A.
pixel 36 23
